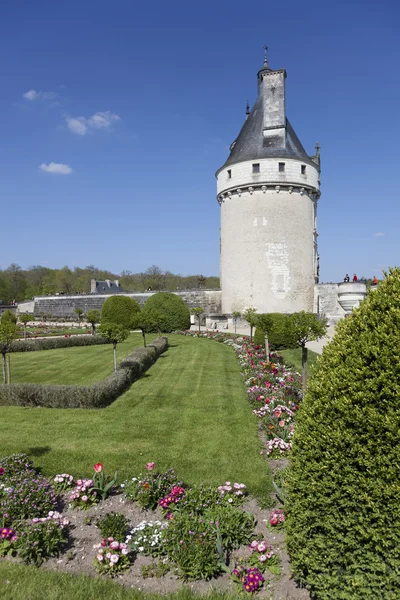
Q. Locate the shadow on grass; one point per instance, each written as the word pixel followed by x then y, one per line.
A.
pixel 38 450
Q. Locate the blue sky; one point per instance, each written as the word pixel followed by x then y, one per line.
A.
pixel 141 102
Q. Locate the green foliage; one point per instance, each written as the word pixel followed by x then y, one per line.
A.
pixel 250 315
pixel 148 489
pixel 113 525
pixel 97 395
pixel 8 317
pixel 120 310
pixel 259 337
pixel 190 542
pixel 307 327
pixel 24 318
pixel 343 505
pixel 234 525
pixel 37 541
pixel 280 335
pixel 16 465
pixel 150 321
pixel 93 317
pixel 155 569
pixel 172 307
pixel 103 484
pixel 33 345
pixel 113 333
pixel 8 333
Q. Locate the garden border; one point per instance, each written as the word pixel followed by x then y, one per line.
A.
pixel 98 395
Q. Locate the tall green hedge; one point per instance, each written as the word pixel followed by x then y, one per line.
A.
pixel 343 507
pixel 175 312
pixel 120 310
pixel 280 335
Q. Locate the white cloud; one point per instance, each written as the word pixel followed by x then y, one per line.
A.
pixel 56 168
pixel 378 234
pixel 100 120
pixel 34 95
pixel 77 125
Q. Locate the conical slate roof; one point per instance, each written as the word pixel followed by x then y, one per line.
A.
pixel 250 143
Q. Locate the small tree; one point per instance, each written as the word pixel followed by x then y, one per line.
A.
pixel 197 312
pixel 235 316
pixel 306 327
pixel 79 313
pixel 115 334
pixel 8 333
pixel 24 319
pixel 8 317
pixel 250 315
pixel 264 323
pixel 150 321
pixel 93 317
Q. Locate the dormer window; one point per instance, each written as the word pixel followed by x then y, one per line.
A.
pixel 256 167
pixel 229 172
pixel 303 169
pixel 281 167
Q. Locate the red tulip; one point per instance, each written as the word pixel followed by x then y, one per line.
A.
pixel 98 468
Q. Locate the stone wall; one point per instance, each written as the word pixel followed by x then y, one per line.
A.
pixel 64 306
pixel 327 302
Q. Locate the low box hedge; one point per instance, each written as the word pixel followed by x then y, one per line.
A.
pixel 53 343
pixel 98 395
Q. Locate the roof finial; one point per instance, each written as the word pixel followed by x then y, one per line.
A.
pixel 247 108
pixel 265 55
pixel 317 149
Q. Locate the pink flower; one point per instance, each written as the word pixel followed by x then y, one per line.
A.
pixel 84 498
pixel 262 558
pixel 114 545
pixel 261 547
pixel 2 471
pixel 114 558
pixel 281 423
pixel 150 466
pixel 98 467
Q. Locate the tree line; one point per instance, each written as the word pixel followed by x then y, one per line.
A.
pixel 17 284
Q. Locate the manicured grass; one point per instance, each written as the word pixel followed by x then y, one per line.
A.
pixel 189 411
pixel 81 365
pixel 20 582
pixel 293 356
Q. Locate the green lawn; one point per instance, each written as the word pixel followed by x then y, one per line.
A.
pixel 81 365
pixel 189 411
pixel 20 582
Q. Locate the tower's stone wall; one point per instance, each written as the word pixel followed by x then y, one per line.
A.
pixel 268 235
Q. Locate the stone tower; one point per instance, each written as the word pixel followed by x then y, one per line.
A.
pixel 268 191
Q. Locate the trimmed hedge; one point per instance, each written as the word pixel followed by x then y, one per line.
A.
pixel 281 336
pixel 98 395
pixel 52 343
pixel 120 310
pixel 343 505
pixel 175 312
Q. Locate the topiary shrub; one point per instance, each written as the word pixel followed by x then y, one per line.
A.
pixel 343 504
pixel 175 312
pixel 120 310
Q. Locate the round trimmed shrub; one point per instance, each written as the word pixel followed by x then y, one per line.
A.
pixel 343 505
pixel 120 310
pixel 259 337
pixel 175 312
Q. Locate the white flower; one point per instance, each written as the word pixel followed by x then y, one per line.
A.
pixel 114 558
pixel 141 549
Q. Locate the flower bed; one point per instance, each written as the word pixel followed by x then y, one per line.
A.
pixel 195 532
